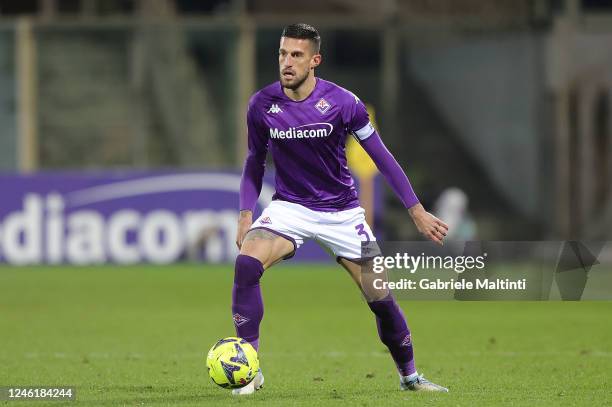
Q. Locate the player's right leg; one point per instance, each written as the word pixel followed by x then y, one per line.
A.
pixel 261 248
pixel 274 236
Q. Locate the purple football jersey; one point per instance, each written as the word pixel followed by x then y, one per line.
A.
pixel 307 142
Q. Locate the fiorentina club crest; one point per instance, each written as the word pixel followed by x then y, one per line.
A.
pixel 407 341
pixel 322 105
pixel 240 320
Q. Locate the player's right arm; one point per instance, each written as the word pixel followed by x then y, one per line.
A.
pixel 253 171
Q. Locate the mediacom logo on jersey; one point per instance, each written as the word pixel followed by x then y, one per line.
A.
pixel 311 130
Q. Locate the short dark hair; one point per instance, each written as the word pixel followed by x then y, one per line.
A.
pixel 303 32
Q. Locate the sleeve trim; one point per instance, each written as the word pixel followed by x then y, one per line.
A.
pixel 365 132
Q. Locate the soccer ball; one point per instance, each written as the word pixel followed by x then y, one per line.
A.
pixel 232 363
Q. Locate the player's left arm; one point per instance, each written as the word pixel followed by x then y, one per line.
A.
pixel 427 224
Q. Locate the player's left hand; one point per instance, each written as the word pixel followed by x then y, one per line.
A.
pixel 428 225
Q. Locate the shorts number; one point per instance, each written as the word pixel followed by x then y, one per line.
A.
pixel 361 231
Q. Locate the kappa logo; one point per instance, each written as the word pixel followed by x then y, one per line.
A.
pixel 239 320
pixel 407 341
pixel 274 109
pixel 322 105
pixel 266 220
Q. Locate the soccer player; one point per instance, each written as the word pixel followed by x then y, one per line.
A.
pixel 304 121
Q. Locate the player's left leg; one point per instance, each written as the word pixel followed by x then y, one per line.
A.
pixel 393 330
pixel 344 232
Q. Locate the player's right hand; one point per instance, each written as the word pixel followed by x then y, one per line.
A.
pixel 245 220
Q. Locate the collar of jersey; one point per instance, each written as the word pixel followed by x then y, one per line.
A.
pixel 306 98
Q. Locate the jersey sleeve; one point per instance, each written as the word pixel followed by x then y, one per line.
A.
pixel 359 124
pixel 359 120
pixel 390 169
pixel 255 163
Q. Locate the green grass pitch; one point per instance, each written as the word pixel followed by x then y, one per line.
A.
pixel 138 336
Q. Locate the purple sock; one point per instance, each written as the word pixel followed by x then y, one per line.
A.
pixel 394 333
pixel 247 304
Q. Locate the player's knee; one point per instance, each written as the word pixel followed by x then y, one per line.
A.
pixel 248 270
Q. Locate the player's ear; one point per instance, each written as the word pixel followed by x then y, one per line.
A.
pixel 315 61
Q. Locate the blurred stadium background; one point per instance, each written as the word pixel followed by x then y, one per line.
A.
pixel 509 101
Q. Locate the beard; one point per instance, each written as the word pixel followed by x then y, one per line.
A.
pixel 296 82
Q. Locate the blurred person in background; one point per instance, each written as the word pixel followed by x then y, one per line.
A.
pixel 452 206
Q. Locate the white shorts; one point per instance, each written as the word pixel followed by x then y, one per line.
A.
pixel 341 232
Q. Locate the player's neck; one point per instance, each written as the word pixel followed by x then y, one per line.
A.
pixel 303 91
